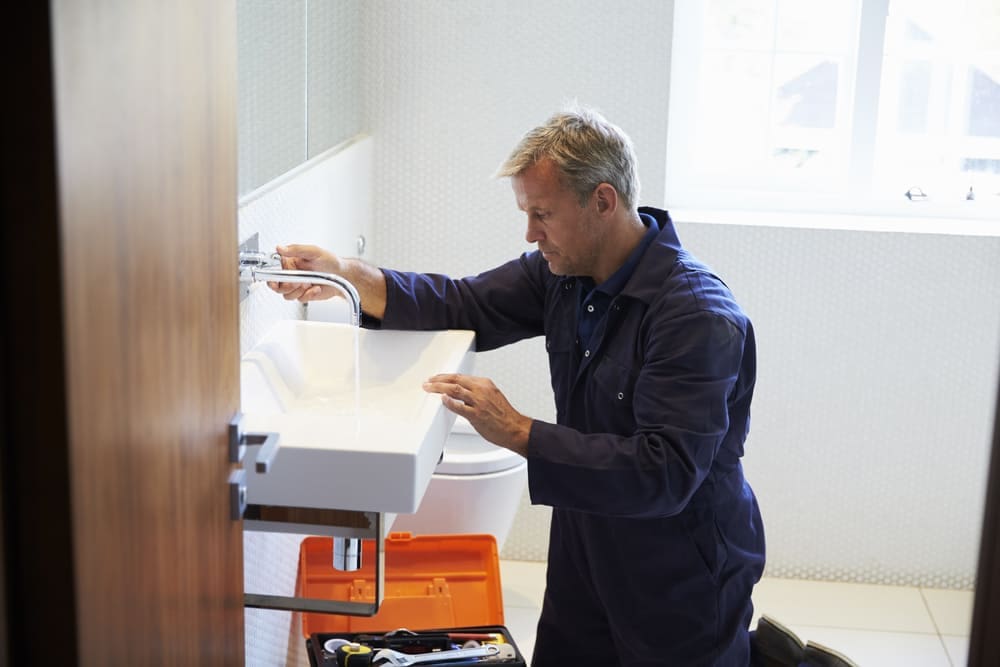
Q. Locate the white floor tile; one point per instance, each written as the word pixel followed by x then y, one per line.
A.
pixel 879 649
pixel 950 609
pixel 522 623
pixel 958 649
pixel 523 583
pixel 842 605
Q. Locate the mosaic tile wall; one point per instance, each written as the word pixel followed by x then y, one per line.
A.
pixel 878 352
pixel 873 413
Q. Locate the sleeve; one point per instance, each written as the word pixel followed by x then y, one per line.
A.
pixel 502 305
pixel 681 416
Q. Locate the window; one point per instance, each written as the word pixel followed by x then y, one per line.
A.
pixel 836 105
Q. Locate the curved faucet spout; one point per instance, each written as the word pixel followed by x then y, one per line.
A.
pixel 279 275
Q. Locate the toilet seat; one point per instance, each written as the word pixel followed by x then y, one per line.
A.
pixel 467 453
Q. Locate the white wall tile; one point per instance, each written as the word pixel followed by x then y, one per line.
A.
pixel 873 412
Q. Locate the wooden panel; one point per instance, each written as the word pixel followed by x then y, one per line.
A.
pixel 147 173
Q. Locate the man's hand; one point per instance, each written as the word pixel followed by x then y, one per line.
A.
pixel 487 409
pixel 367 279
pixel 306 258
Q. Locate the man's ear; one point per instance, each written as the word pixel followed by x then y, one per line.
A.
pixel 607 198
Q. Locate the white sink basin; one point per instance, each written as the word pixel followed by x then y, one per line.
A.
pixel 370 451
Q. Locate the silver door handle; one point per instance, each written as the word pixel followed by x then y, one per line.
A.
pixel 239 441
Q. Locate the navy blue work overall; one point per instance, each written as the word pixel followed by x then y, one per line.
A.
pixel 656 539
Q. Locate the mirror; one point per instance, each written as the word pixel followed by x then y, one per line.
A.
pixel 299 85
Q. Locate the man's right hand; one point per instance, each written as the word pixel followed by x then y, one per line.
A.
pixel 367 279
pixel 307 258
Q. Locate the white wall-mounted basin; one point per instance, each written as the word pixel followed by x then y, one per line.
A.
pixel 373 451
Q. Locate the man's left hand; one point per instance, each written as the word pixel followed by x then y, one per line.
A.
pixel 484 405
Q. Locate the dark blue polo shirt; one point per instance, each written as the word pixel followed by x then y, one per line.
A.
pixel 595 301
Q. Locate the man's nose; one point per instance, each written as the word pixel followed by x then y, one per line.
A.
pixel 531 234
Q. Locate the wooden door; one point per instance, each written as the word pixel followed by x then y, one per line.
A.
pixel 119 548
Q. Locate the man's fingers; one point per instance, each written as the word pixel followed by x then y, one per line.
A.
pixel 444 378
pixel 293 291
pixel 282 288
pixel 300 251
pixel 452 393
pixel 439 384
pixel 446 389
pixel 455 405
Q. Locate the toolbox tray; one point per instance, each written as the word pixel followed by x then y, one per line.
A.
pixel 431 581
pixel 320 657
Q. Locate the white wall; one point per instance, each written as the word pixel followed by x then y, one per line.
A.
pixel 873 413
pixel 878 352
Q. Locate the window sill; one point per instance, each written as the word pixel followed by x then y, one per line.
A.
pixel 840 221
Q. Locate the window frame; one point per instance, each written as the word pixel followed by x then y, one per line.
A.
pixel 852 195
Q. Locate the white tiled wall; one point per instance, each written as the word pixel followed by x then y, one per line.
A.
pixel 873 413
pixel 878 352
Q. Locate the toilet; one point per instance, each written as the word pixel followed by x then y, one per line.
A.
pixel 477 486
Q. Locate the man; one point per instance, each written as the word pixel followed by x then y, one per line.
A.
pixel 656 539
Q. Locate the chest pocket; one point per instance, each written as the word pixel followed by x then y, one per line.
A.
pixel 562 370
pixel 611 393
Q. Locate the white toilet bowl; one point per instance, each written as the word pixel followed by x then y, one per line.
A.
pixel 476 488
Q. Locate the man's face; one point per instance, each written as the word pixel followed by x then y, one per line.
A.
pixel 568 235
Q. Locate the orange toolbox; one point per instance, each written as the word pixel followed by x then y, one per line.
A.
pixel 431 581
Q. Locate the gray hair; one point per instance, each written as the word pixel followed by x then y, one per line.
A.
pixel 588 151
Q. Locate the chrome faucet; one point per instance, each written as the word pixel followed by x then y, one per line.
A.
pixel 258 266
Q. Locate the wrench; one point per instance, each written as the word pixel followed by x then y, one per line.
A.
pixel 390 657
